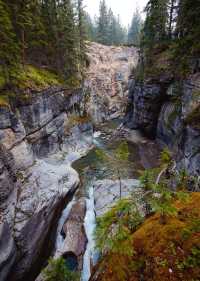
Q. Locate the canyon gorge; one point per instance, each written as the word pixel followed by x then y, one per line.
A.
pixel 65 155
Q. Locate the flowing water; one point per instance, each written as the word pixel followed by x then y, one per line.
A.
pixel 110 158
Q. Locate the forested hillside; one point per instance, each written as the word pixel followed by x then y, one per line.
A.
pixel 171 28
pixel 46 34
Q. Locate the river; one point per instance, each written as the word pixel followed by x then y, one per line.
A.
pixel 112 157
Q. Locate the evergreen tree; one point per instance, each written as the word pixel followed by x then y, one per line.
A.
pixel 188 27
pixel 82 35
pixel 155 27
pixel 8 46
pixel 134 30
pixel 103 24
pixel 67 40
pixel 90 28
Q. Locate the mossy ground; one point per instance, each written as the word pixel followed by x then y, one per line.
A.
pixel 35 78
pixel 161 252
pixel 4 101
pixel 32 78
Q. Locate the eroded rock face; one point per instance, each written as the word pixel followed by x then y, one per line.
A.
pixel 168 110
pixel 178 125
pixel 107 80
pixel 40 137
pixel 145 102
pixel 7 251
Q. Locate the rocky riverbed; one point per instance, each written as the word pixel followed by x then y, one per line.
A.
pixel 41 134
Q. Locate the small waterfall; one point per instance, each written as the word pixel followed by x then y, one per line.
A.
pixel 64 216
pixel 90 223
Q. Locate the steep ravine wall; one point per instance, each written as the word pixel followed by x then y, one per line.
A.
pixel 107 80
pixel 169 110
pixel 34 189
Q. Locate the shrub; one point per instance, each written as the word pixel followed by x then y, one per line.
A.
pixel 115 227
pixel 57 270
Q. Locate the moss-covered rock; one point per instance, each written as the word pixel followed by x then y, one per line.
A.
pixel 161 252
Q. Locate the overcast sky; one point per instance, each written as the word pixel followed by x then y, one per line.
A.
pixel 124 8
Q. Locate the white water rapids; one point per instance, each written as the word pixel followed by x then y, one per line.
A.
pixel 60 240
pixel 89 224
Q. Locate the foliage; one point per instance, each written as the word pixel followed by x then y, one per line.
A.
pixel 166 157
pixel 109 28
pixel 122 151
pixel 58 271
pixel 115 227
pixel 162 202
pixel 135 28
pixel 9 48
pixel 159 251
pixel 146 180
pixel 34 78
pixel 42 33
pixel 171 26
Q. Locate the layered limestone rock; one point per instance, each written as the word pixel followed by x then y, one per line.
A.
pixel 178 124
pixel 107 80
pixel 40 137
pixel 169 111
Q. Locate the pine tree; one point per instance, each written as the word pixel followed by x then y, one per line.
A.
pixel 134 30
pixel 156 22
pixel 8 46
pixel 82 35
pixel 67 40
pixel 103 24
pixel 90 28
pixel 188 30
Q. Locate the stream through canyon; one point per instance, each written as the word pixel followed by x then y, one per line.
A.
pixel 108 171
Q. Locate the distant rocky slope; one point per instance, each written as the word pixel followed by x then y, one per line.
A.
pixel 107 79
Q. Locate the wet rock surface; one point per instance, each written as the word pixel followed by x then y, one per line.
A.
pixel 74 233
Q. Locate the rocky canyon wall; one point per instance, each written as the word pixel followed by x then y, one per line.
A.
pixel 34 188
pixel 169 110
pixel 38 129
pixel 107 80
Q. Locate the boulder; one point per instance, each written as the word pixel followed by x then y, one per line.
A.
pixel 107 192
pixel 75 242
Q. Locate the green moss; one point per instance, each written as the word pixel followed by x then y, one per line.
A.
pixel 160 248
pixel 2 78
pixel 4 100
pixel 34 78
pixel 193 119
pixel 122 151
